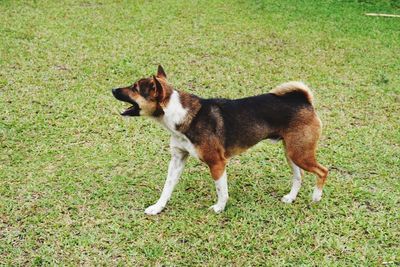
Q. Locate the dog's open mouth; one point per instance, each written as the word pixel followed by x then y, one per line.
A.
pixel 133 110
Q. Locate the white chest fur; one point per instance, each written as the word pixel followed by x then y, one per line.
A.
pixel 174 114
pixel 183 143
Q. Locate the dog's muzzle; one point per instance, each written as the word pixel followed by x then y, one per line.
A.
pixel 133 110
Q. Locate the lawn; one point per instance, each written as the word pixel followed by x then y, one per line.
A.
pixel 75 176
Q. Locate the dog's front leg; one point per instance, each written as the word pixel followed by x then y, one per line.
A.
pixel 175 169
pixel 221 185
pixel 218 173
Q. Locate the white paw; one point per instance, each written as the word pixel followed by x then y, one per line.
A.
pixel 153 209
pixel 317 195
pixel 217 208
pixel 288 198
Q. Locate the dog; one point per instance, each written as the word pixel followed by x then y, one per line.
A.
pixel 214 130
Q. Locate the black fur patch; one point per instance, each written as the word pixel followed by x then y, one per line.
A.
pixel 246 121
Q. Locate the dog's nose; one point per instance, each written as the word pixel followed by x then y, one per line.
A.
pixel 114 91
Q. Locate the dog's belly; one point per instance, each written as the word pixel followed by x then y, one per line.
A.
pixel 182 142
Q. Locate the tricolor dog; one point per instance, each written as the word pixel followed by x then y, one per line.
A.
pixel 214 130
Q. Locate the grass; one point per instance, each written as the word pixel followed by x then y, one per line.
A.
pixel 75 177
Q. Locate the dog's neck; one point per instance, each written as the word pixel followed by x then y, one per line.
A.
pixel 180 111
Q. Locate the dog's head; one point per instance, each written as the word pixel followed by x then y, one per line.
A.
pixel 147 95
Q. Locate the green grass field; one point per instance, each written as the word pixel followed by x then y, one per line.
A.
pixel 75 176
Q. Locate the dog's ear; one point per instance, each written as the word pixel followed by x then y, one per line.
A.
pixel 161 72
pixel 159 91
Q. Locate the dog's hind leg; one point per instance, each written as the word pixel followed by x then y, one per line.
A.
pixel 175 169
pixel 301 147
pixel 297 175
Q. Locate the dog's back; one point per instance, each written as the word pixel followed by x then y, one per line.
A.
pixel 241 123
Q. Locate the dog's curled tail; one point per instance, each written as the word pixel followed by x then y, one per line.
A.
pixel 291 87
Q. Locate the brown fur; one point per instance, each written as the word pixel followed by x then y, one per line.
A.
pixel 192 105
pixel 213 154
pixel 300 142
